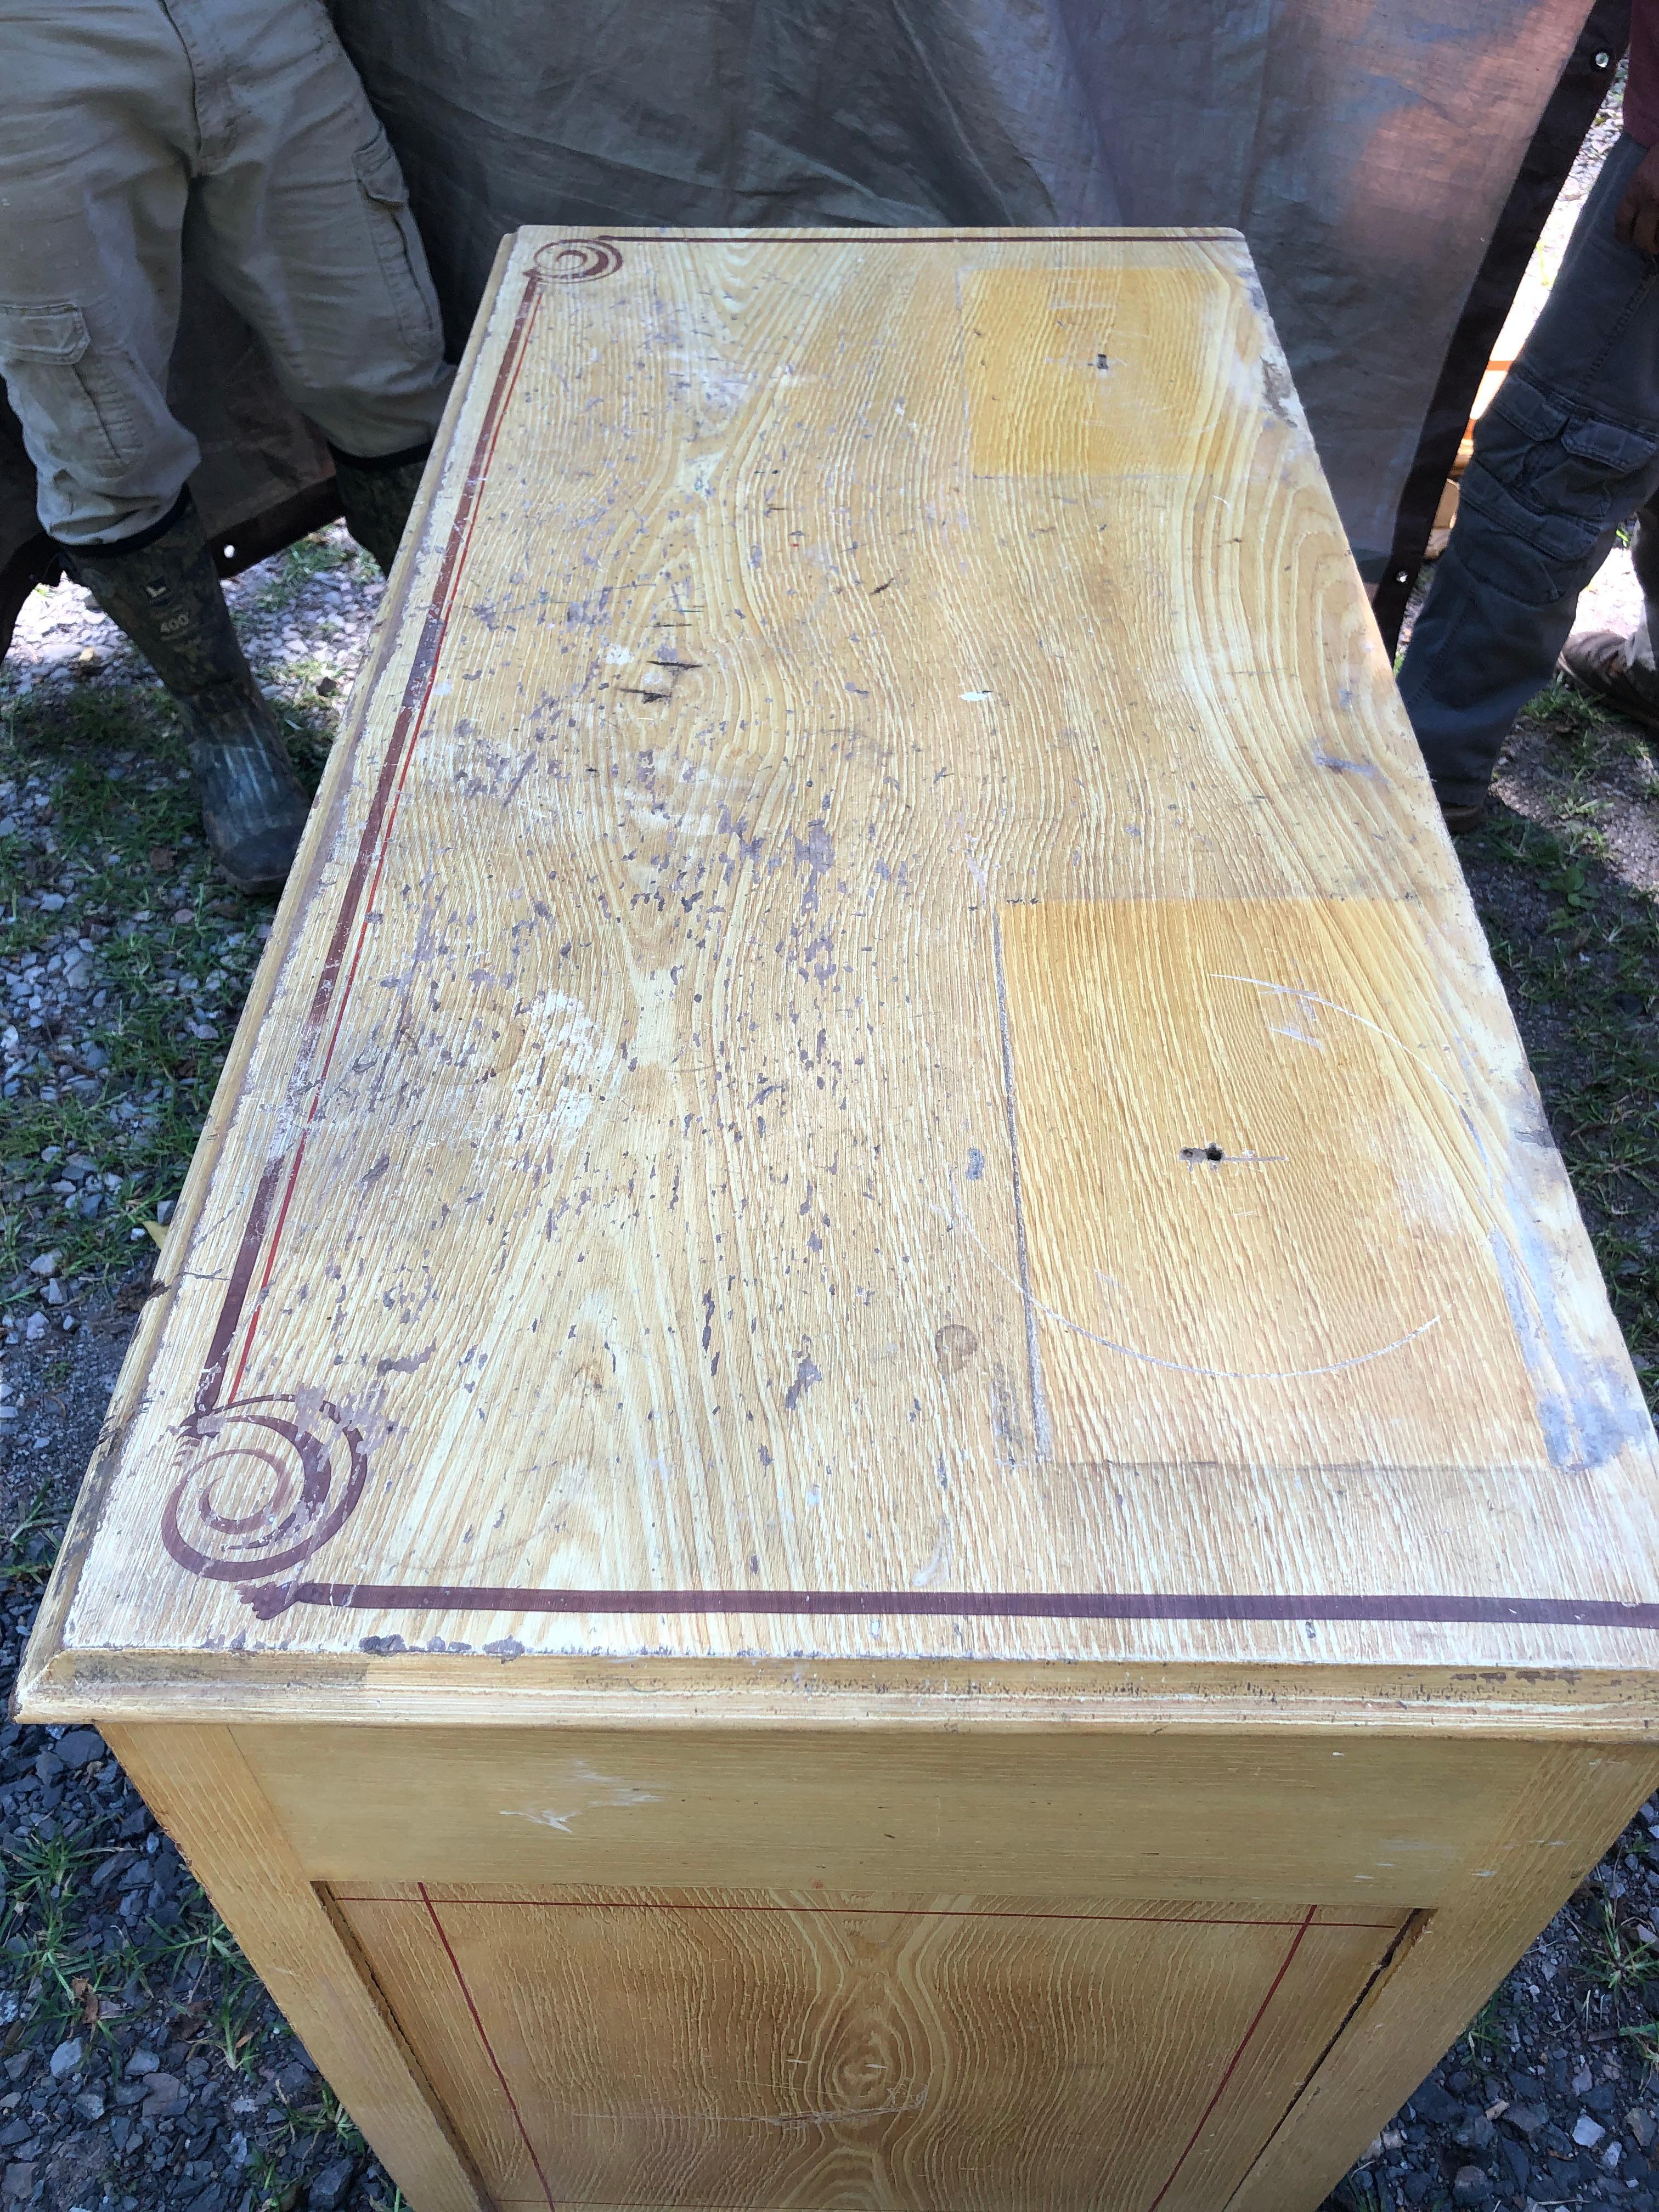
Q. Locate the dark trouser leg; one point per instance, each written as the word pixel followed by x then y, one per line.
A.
pixel 377 496
pixel 1567 451
pixel 159 587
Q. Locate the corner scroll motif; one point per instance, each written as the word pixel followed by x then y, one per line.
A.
pixel 262 1486
pixel 577 260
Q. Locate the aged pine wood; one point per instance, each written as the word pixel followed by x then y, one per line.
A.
pixel 857 798
pixel 1284 1818
pixel 956 2051
pixel 197 1784
pixel 880 1424
pixel 1439 1978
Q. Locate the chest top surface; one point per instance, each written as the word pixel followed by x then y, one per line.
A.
pixel 876 1060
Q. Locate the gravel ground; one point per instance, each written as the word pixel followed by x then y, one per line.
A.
pixel 142 2067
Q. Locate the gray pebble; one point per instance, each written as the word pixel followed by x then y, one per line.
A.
pixel 332 2184
pixel 79 1748
pixel 1527 2119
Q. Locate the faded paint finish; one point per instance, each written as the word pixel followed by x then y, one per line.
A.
pixel 877 1058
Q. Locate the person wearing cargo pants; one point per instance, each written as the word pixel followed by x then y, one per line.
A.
pixel 1566 453
pixel 236 132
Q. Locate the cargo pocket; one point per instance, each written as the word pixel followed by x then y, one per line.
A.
pixel 1544 486
pixel 396 242
pixel 72 402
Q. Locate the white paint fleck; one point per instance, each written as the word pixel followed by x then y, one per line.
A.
pixel 609 1789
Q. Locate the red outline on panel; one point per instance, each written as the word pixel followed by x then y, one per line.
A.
pixel 1233 2062
pixel 875 1911
pixel 518 2117
pixel 1308 1924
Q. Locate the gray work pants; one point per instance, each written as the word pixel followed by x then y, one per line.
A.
pixel 235 131
pixel 1566 453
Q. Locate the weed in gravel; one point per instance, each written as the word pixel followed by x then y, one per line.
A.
pixel 32 1543
pixel 112 919
pixel 46 1944
pixel 1615 1962
pixel 328 2122
pixel 196 1944
pixel 232 2022
pixel 1487 2037
pixel 300 565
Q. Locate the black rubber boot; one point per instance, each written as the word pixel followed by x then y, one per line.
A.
pixel 160 589
pixel 377 496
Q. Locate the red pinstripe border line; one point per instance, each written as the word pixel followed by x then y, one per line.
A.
pixel 1303 1929
pixel 872 1911
pixel 524 2133
pixel 1233 2062
pixel 308 1072
pixel 880 237
pixel 270 1599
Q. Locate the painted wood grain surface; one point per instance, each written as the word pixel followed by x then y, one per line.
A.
pixel 877 1058
pixel 808 2049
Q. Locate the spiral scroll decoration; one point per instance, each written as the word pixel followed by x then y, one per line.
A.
pixel 261 1488
pixel 577 259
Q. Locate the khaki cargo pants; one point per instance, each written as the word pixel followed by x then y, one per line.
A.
pixel 236 132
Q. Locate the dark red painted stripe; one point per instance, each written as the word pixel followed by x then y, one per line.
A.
pixel 874 237
pixel 271 1599
pixel 872 1911
pixel 307 1075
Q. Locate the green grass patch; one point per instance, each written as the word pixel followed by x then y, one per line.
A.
pixel 96 781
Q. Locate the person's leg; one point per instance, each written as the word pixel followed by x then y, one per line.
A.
pixel 303 219
pixel 99 135
pixel 1567 450
pixel 92 185
pixel 160 588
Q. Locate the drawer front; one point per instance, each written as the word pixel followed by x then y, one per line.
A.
pixel 606 2046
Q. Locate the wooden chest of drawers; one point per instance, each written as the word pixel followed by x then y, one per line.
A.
pixel 882 1468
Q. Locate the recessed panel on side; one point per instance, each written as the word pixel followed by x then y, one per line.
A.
pixel 805 2050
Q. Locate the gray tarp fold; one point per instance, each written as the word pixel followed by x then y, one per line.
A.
pixel 1365 147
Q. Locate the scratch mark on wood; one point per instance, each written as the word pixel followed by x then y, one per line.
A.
pixel 1041 1425
pixel 1035 1306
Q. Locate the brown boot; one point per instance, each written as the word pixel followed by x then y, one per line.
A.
pixel 161 588
pixel 1600 663
pixel 1460 820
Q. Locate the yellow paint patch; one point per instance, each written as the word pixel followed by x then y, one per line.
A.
pixel 1252 1182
